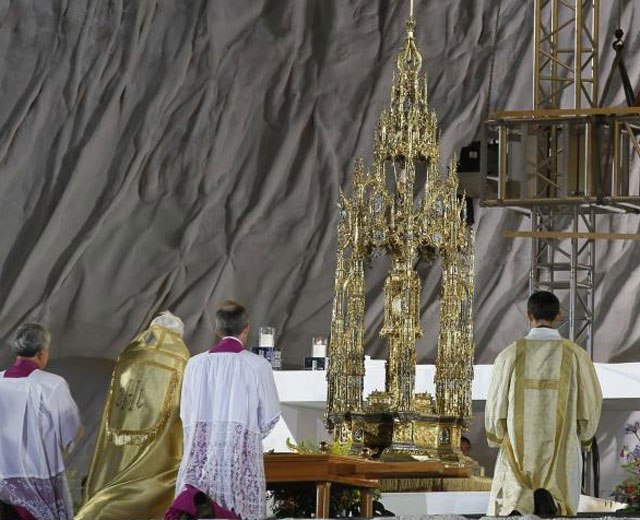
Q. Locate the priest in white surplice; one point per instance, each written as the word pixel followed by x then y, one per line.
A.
pixel 229 403
pixel 40 425
pixel 543 404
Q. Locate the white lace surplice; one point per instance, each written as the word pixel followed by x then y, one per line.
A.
pixel 229 404
pixel 40 421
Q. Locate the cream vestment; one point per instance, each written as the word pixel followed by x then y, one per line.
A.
pixel 544 402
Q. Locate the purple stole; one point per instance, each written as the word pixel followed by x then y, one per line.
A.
pixel 186 502
pixel 21 368
pixel 227 345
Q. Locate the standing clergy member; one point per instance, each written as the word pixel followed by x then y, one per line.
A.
pixel 229 403
pixel 543 404
pixel 39 425
pixel 135 463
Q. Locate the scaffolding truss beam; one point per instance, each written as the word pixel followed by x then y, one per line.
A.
pixel 566 263
pixel 565 53
pixel 564 235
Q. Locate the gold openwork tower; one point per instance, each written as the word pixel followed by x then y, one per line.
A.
pixel 403 207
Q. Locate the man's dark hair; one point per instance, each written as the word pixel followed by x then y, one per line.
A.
pixel 543 305
pixel 231 318
pixel 30 339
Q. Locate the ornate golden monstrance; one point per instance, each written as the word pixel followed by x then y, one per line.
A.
pixel 404 207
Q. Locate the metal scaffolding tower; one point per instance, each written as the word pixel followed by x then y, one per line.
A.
pixel 565 161
pixel 566 53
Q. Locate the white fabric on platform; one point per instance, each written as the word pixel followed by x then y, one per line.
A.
pixel 618 381
pixel 40 422
pixel 451 503
pixel 229 403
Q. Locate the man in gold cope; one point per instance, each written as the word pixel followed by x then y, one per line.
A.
pixel 544 404
pixel 139 446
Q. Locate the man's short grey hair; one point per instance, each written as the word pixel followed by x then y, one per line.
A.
pixel 231 318
pixel 30 339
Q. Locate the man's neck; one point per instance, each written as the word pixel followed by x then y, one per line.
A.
pixel 543 325
pixel 227 344
pixel 34 360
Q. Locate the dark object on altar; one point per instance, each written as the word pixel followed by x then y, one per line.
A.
pixel 272 354
pixel 315 363
pixel 264 352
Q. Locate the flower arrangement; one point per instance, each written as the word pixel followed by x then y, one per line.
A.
pixel 628 491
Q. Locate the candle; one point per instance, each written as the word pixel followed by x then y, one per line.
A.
pixel 266 336
pixel 319 347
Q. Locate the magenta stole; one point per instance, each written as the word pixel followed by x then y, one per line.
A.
pixel 21 368
pixel 227 345
pixel 185 502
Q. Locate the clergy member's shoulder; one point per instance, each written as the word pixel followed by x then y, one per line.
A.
pixel 255 360
pixel 48 380
pixel 245 356
pixel 577 350
pixel 508 354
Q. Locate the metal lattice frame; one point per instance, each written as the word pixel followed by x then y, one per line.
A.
pixel 566 265
pixel 564 167
pixel 565 56
pixel 566 53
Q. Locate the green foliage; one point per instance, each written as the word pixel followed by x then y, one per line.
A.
pixel 336 448
pixel 303 447
pixel 341 449
pixel 299 501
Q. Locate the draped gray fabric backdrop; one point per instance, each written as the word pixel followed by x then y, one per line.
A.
pixel 171 154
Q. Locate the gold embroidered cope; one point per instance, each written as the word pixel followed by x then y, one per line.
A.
pixel 135 463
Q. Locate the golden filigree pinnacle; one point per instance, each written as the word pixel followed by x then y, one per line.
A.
pixel 383 215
